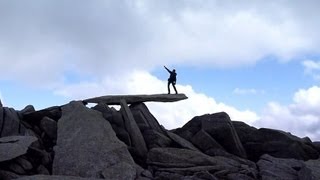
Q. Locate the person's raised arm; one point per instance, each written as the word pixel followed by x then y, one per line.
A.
pixel 167 69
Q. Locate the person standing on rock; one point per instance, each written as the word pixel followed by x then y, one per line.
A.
pixel 172 79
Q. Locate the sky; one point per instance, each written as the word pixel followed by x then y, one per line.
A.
pixel 259 61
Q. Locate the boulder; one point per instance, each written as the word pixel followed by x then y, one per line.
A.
pixel 314 166
pixel 104 109
pixel 275 143
pixel 186 162
pixel 181 142
pixel 117 119
pixel 280 168
pixel 137 140
pixel 47 177
pixel 219 127
pixel 316 145
pixel 143 116
pixel 15 168
pixel 35 117
pixel 121 170
pixel 24 163
pixel 26 110
pixel 87 146
pixel 122 134
pixel 42 170
pixel 14 146
pixel 49 126
pixel 206 143
pixel 10 125
pixel 155 139
pixel 7 175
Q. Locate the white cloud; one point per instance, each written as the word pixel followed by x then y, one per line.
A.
pixel 250 91
pixel 171 115
pixel 312 68
pixel 301 118
pixel 311 65
pixel 41 40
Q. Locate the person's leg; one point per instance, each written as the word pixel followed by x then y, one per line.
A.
pixel 169 87
pixel 174 87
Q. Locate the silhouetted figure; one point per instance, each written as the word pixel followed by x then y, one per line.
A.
pixel 172 79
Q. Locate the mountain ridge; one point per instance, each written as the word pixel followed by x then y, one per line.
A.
pixel 74 141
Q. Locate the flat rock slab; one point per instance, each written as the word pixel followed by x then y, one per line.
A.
pixel 14 146
pixel 47 177
pixel 87 146
pixel 130 99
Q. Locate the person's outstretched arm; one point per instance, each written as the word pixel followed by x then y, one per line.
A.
pixel 167 69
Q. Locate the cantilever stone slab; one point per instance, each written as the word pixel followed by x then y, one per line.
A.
pixel 115 99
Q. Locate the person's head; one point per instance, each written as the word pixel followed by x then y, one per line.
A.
pixel 174 70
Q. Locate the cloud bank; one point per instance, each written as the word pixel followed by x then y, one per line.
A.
pixel 45 40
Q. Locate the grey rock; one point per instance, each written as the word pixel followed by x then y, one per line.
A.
pixel 179 158
pixel 120 171
pixel 36 116
pixel 49 126
pixel 105 110
pixel 219 127
pixel 25 164
pixel 143 116
pixel 130 99
pixel 180 141
pixel 11 125
pixel 27 109
pixel 203 175
pixel 168 176
pixel 122 134
pixel 188 162
pixel 86 144
pixel 314 166
pixel 16 168
pixel 205 142
pixel 155 139
pixel 117 119
pixel 42 170
pixel 55 177
pixel 279 168
pixel 137 139
pixel 143 178
pixel 316 145
pixel 7 175
pixel 14 146
pixel 275 143
pixel 42 155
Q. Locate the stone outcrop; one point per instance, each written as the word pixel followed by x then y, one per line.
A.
pixel 131 99
pixel 274 142
pixel 73 141
pixel 136 137
pixel 87 146
pixel 10 123
pixel 278 168
pixel 219 127
pixel 188 162
pixel 14 146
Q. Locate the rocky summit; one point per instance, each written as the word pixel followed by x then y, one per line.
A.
pixel 75 141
